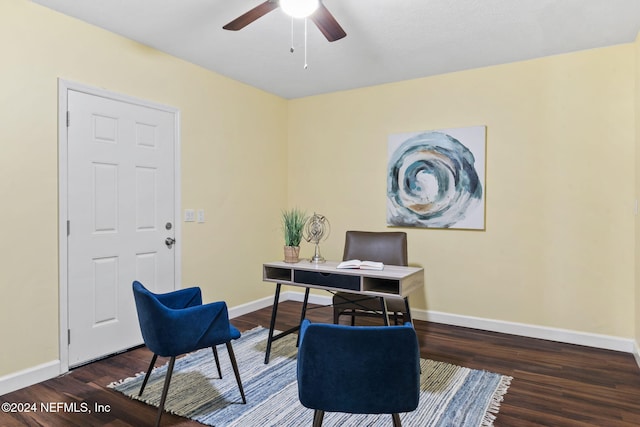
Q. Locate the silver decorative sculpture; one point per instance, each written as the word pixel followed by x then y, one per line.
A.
pixel 316 230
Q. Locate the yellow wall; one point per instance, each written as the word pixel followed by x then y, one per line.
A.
pixel 222 122
pixel 558 250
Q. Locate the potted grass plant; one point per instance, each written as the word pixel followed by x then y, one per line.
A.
pixel 293 221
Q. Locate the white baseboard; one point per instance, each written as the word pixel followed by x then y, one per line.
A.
pixel 636 353
pixel 242 309
pixel 531 331
pixel 313 298
pixel 30 376
pixel 239 310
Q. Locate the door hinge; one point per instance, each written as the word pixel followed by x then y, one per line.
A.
pixel 68 336
pixel 68 118
pixel 68 227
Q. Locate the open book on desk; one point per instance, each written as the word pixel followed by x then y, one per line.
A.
pixel 362 265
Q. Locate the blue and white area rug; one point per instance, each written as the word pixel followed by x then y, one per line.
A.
pixel 450 395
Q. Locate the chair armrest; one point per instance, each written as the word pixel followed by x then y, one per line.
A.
pixel 182 298
pixel 192 328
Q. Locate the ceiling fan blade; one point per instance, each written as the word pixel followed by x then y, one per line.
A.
pixel 327 24
pixel 257 12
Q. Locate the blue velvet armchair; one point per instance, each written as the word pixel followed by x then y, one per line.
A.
pixel 358 369
pixel 176 323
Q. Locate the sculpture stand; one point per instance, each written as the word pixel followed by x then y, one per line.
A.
pixel 317 258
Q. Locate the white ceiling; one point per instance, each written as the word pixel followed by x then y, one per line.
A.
pixel 387 40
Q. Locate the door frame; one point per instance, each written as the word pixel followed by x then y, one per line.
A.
pixel 64 86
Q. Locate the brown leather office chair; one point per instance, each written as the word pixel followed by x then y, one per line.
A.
pixel 389 248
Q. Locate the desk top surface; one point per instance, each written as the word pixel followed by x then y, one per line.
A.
pixel 389 271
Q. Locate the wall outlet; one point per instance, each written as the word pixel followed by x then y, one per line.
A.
pixel 189 215
pixel 200 215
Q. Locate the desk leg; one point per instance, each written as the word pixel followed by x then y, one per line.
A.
pixel 304 312
pixel 407 310
pixel 385 312
pixel 272 326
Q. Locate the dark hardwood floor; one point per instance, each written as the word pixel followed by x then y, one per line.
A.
pixel 554 384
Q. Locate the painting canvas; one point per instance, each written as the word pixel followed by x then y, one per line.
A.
pixel 436 179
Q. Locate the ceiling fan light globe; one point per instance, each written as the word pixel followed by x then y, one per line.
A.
pixel 299 8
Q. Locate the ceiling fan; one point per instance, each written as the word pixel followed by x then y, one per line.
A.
pixel 323 19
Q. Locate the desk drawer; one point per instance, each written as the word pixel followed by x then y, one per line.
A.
pixel 341 281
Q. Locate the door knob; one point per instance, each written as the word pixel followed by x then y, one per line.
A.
pixel 169 242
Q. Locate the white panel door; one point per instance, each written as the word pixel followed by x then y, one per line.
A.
pixel 121 204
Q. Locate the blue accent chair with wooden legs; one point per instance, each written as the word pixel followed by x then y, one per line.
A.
pixel 177 322
pixel 358 369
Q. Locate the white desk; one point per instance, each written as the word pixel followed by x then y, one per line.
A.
pixel 391 282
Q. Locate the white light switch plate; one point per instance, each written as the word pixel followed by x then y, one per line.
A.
pixel 189 215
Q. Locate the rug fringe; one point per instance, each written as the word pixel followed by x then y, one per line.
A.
pixel 494 405
pixel 125 380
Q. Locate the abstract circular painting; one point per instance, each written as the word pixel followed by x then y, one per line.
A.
pixel 435 179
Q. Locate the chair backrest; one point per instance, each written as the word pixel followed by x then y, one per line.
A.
pixel 157 317
pixel 150 314
pixel 359 369
pixel 387 247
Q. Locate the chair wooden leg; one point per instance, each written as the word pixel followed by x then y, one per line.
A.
pixel 396 420
pixel 406 316
pixel 336 315
pixel 318 415
pixel 232 356
pixel 146 377
pixel 165 389
pixel 385 311
pixel 215 356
